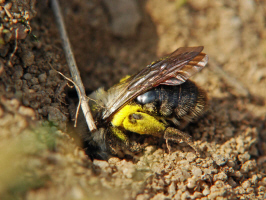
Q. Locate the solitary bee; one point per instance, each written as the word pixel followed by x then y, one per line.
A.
pixel 148 105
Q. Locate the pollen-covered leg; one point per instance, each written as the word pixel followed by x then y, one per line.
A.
pixel 178 136
pixel 143 123
pixel 119 143
pixel 119 134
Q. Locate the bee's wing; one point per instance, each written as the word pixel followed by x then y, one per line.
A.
pixel 174 69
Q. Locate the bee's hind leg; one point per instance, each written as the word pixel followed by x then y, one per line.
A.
pixel 176 135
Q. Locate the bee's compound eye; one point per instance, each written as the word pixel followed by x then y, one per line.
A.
pixel 147 97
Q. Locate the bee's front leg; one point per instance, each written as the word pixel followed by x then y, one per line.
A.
pixel 173 134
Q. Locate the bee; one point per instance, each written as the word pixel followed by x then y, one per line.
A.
pixel 156 102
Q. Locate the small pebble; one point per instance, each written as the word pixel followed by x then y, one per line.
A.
pixel 42 77
pixel 27 76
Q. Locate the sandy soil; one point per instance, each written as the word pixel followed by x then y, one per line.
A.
pixel 40 156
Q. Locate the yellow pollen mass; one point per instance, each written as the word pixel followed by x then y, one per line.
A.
pixel 146 124
pixel 124 112
pixel 134 119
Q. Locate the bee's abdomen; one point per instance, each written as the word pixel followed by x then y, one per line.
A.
pixel 185 101
pixel 191 103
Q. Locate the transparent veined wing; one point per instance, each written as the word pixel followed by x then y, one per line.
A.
pixel 173 69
